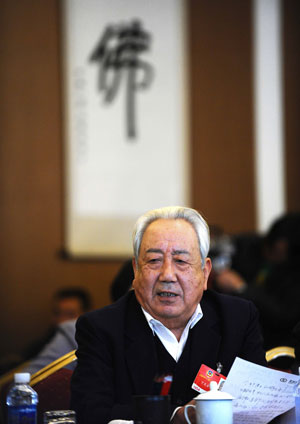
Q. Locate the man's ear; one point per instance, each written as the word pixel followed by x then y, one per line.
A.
pixel 206 271
pixel 134 265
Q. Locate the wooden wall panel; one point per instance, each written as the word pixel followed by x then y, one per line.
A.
pixel 31 181
pixel 221 112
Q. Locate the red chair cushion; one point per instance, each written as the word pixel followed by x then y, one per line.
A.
pixel 54 392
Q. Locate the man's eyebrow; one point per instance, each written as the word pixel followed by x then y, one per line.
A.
pixel 175 252
pixel 180 252
pixel 152 250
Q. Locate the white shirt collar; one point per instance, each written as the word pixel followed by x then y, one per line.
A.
pixel 168 339
pixel 197 315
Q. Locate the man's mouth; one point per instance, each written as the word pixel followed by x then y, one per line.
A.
pixel 166 294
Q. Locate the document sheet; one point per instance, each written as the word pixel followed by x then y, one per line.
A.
pixel 260 393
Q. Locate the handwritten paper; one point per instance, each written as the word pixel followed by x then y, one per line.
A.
pixel 260 393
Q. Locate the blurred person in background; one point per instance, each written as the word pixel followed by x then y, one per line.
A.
pixel 122 281
pixel 68 305
pixel 275 289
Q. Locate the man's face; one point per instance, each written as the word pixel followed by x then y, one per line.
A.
pixel 66 309
pixel 169 281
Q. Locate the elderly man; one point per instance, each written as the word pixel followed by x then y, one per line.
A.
pixel 168 323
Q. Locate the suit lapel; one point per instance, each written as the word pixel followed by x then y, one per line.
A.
pixel 206 340
pixel 140 350
pixel 141 357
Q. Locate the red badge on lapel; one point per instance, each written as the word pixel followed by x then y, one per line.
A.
pixel 204 377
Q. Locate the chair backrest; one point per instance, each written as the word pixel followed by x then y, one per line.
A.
pixel 281 358
pixel 51 368
pixel 52 384
pixel 54 392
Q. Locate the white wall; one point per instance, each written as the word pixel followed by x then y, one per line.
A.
pixel 268 111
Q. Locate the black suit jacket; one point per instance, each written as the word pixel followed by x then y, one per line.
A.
pixel 117 356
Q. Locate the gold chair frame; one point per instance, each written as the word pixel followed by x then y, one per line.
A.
pixel 42 373
pixel 280 351
pixel 53 367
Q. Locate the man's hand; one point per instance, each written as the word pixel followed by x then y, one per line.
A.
pixel 179 417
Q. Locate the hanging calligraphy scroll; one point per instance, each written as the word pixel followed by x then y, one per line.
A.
pixel 125 124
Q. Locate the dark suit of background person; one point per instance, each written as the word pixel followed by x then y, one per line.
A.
pixel 275 290
pixel 118 355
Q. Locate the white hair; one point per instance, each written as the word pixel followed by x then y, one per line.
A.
pixel 173 212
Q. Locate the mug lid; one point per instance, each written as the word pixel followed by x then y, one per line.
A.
pixel 214 394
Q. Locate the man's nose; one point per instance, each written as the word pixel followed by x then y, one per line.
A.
pixel 167 272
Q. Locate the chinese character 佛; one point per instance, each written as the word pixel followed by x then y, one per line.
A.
pixel 118 53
